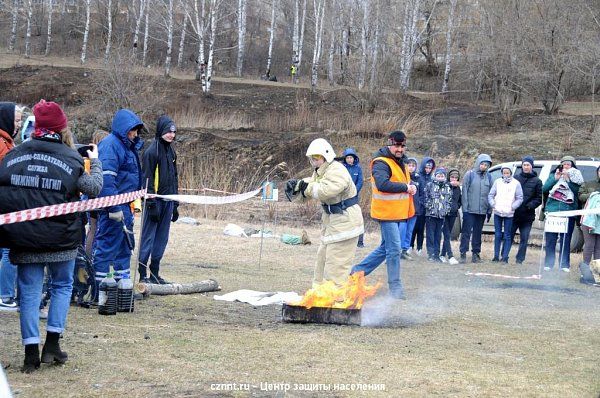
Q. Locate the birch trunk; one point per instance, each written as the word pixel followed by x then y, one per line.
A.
pixel 86 32
pixel 211 44
pixel 413 38
pixel 271 39
pixel 405 42
pixel 449 32
pixel 241 35
pixel 13 29
pixel 199 15
pixel 146 24
pixel 319 10
pixel 183 33
pixel 296 33
pixel 169 39
pixel 334 29
pixel 138 24
pixel 375 53
pixel 28 32
pixel 363 44
pixel 109 33
pixel 49 32
pixel 301 40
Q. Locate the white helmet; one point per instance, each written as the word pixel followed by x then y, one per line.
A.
pixel 320 146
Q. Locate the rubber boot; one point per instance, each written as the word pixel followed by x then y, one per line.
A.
pixel 586 273
pixel 51 351
pixel 32 358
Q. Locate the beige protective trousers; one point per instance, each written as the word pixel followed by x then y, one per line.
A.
pixel 334 261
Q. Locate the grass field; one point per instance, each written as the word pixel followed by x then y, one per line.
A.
pixel 456 335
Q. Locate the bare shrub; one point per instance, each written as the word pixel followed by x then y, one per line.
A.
pixel 195 118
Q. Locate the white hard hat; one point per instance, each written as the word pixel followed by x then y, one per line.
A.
pixel 320 146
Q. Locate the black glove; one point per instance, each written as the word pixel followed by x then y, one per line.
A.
pixel 302 186
pixel 175 216
pixel 487 217
pixel 290 189
pixel 152 210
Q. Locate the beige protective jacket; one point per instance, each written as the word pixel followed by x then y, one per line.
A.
pixel 330 184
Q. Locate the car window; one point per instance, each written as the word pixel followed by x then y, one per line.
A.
pixel 495 173
pixel 589 173
pixel 537 170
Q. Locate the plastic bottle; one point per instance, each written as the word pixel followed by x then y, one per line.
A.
pixel 107 296
pixel 125 295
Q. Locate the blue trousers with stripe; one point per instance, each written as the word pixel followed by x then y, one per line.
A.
pixel 110 247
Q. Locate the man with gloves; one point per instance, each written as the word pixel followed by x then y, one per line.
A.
pixel 159 165
pixel 332 185
pixel 122 174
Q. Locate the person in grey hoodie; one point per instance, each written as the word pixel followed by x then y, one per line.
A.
pixel 476 188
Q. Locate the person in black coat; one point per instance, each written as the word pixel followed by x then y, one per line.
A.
pixel 159 165
pixel 525 214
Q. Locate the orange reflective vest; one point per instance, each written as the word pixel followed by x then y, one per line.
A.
pixel 392 206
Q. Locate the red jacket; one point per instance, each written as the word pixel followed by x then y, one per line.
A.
pixel 6 143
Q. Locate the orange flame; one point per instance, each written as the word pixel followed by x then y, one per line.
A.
pixel 352 294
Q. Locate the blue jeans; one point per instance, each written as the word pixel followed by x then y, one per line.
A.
pixel 388 250
pixel 418 232
pixel 524 228
pixel 155 236
pixel 564 246
pixel 472 226
pixel 502 236
pixel 410 226
pixel 30 280
pixel 8 276
pixel 433 234
pixel 447 234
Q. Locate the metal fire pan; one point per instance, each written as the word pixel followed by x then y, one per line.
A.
pixel 337 316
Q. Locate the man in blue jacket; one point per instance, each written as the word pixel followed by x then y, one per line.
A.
pixel 352 162
pixel 160 170
pixel 122 173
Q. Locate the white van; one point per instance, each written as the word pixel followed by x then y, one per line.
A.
pixel 543 168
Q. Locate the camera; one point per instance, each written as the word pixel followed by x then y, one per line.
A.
pixel 82 149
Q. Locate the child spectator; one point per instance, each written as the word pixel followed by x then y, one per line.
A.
pixel 425 174
pixel 504 198
pixel 411 165
pixel 438 200
pixel 352 162
pixel 454 176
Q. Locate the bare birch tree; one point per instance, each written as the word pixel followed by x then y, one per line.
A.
pixel 146 27
pixel 241 20
pixel 169 38
pixel 449 35
pixel 183 34
pixel 15 20
pixel 214 9
pixel 271 39
pixel 301 38
pixel 298 34
pixel 109 30
pixel 319 12
pixel 29 12
pixel 334 24
pixel 363 45
pixel 86 31
pixel 375 48
pixel 198 27
pixel 138 24
pixel 49 31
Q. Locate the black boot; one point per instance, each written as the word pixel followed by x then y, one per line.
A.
pixel 32 358
pixel 51 351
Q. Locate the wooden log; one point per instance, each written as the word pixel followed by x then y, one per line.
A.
pixel 209 285
pixel 337 316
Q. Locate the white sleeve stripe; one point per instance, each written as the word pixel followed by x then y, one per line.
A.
pixel 112 173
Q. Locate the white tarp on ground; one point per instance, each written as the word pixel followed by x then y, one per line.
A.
pixel 256 298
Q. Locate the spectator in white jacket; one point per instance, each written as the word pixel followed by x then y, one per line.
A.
pixel 505 197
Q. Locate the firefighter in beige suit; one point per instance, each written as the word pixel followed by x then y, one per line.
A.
pixel 332 185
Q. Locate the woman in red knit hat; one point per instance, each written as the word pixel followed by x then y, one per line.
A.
pixel 44 171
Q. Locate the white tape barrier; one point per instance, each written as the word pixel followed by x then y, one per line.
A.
pixel 209 200
pixel 572 213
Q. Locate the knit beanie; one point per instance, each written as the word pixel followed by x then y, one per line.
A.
pixel 440 170
pixel 49 116
pixel 528 159
pixel 396 138
pixel 569 159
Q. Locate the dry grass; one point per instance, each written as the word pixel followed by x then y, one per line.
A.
pixel 215 120
pixel 455 335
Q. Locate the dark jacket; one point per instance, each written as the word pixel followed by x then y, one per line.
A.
pixel 355 170
pixel 532 196
pixel 119 157
pixel 456 196
pixel 424 179
pixel 34 174
pixel 382 173
pixel 159 162
pixel 414 178
pixel 438 199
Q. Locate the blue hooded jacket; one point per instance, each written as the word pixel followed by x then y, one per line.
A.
pixel 119 156
pixel 424 179
pixel 355 170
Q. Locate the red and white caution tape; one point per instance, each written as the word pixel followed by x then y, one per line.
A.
pixel 209 200
pixel 503 276
pixel 70 207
